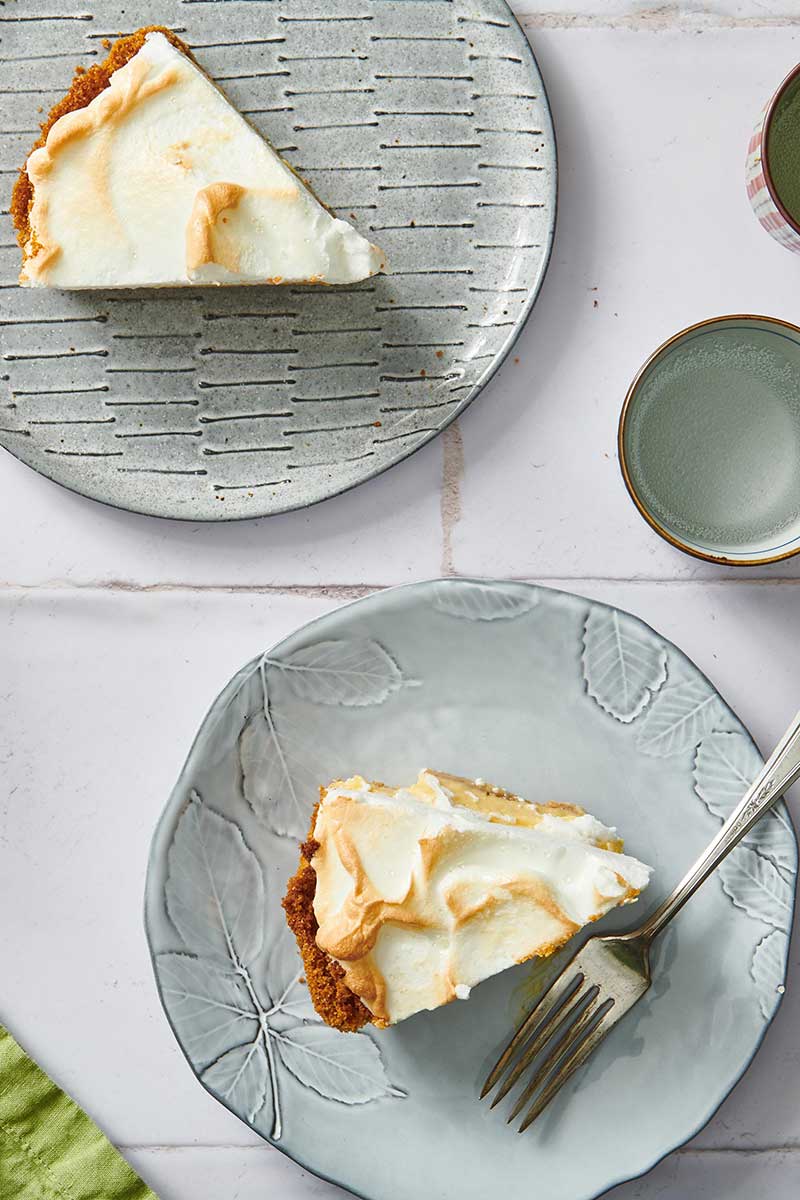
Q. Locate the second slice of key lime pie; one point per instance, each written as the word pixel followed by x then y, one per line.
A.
pixel 147 176
pixel 406 898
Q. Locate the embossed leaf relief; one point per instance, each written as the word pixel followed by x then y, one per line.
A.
pixel 623 664
pixel 768 968
pixel 337 1066
pixel 279 784
pixel 237 1033
pixel 283 980
pixel 211 872
pixel 279 777
pixel 483 601
pixel 724 767
pixel 754 884
pixel 678 718
pixel 209 1008
pixel 240 1078
pixel 755 875
pixel 352 671
pixel 224 725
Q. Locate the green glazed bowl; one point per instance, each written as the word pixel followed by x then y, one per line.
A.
pixel 709 440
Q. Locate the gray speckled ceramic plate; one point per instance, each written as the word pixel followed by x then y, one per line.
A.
pixel 424 122
pixel 551 695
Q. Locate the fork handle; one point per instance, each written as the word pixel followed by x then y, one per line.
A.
pixel 780 771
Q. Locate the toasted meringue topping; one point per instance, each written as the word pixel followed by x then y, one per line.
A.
pixel 159 181
pixel 424 891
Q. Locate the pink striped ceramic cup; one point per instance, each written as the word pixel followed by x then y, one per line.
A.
pixel 769 198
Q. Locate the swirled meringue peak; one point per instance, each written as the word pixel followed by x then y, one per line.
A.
pixel 424 891
pixel 158 181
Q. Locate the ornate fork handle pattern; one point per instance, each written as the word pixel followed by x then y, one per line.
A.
pixel 781 770
pixel 753 806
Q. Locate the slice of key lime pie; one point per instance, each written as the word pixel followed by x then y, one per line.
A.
pixel 406 898
pixel 146 176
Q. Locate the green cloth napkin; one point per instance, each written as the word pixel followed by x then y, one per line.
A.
pixel 49 1148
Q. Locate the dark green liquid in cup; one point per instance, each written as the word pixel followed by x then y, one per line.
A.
pixel 783 150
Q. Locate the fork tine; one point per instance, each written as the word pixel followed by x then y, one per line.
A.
pixel 560 1019
pixel 574 1024
pixel 586 1045
pixel 559 991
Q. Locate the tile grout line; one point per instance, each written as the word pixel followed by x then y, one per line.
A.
pixel 332 591
pixel 450 501
pixel 354 591
pixel 661 18
pixel 265 1147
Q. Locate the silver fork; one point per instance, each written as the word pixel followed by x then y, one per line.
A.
pixel 608 975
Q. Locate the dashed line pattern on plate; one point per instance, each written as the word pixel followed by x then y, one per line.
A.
pixel 422 124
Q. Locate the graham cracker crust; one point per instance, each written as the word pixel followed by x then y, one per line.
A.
pixel 332 998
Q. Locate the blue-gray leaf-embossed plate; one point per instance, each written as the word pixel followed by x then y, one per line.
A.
pixel 558 698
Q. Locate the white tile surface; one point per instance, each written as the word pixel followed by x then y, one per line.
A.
pixel 102 688
pixel 253 1174
pixel 653 215
pixel 713 1176
pixel 54 536
pixel 228 1174
pixel 102 693
pixel 644 14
